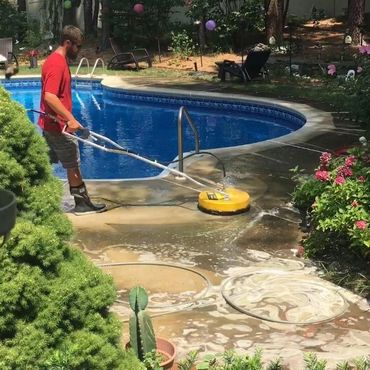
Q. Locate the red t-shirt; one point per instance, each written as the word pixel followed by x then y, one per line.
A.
pixel 55 79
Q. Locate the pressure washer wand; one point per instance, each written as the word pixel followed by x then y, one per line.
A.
pixel 121 150
pixel 118 149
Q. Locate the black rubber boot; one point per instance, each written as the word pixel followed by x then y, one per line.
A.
pixel 84 205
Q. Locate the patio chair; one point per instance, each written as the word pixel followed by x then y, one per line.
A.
pixel 123 59
pixel 252 67
pixel 8 60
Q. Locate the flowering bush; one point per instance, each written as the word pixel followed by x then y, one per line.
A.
pixel 337 197
pixel 351 91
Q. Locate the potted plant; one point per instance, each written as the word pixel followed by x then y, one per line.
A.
pixel 142 339
pixel 8 212
pixel 32 56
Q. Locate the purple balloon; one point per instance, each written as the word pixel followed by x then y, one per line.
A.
pixel 138 8
pixel 210 25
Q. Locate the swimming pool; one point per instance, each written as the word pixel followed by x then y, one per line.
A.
pixel 147 124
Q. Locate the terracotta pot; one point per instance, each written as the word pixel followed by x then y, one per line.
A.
pixel 167 350
pixel 8 211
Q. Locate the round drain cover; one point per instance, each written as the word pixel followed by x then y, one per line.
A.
pixel 285 297
pixel 168 286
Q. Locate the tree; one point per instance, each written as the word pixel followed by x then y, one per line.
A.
pixel 106 21
pixel 53 16
pixel 356 16
pixel 142 29
pixel 13 23
pixel 275 16
pixel 236 20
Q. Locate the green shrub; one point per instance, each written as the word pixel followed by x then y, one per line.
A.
pixel 236 21
pixel 24 161
pixel 337 200
pixel 352 94
pixel 182 44
pixel 141 30
pixel 13 23
pixel 54 304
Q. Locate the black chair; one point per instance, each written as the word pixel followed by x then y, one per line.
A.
pixel 7 57
pixel 8 60
pixel 124 59
pixel 253 66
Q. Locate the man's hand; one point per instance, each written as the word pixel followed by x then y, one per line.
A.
pixel 73 125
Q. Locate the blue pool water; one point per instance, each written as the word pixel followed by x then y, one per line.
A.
pixel 147 124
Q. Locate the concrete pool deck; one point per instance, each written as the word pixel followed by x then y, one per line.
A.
pixel 157 223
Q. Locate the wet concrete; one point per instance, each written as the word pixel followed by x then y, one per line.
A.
pixel 158 222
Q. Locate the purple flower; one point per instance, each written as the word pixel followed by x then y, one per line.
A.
pixel 362 49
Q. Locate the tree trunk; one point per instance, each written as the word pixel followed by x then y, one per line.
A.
pixel 356 14
pixel 106 23
pixel 95 16
pixel 88 17
pixel 202 34
pixel 21 5
pixel 53 17
pixel 286 8
pixel 274 14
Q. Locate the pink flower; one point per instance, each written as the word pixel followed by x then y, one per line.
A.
pixel 359 69
pixel 361 178
pixel 322 175
pixel 354 204
pixel 350 161
pixel 325 158
pixel 362 49
pixel 361 224
pixel 367 48
pixel 332 71
pixel 344 171
pixel 299 252
pixel 340 180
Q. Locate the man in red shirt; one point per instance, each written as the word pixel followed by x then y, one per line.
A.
pixel 56 100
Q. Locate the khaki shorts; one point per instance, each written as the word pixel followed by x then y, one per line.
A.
pixel 62 149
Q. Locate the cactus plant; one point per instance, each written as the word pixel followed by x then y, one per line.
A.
pixel 142 338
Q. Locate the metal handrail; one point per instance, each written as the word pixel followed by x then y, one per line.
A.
pixel 80 64
pixel 180 135
pixel 95 65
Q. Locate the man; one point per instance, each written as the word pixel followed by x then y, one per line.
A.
pixel 56 100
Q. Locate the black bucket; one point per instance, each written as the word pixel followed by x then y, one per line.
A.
pixel 8 211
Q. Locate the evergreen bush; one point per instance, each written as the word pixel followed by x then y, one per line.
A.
pixel 54 304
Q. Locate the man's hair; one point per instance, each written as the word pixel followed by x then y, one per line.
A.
pixel 72 34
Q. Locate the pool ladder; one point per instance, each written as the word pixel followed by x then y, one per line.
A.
pixel 183 112
pixel 88 66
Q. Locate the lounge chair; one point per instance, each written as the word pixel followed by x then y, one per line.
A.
pixel 252 67
pixel 123 59
pixel 8 60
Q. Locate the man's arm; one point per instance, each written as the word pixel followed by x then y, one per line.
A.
pixel 56 105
